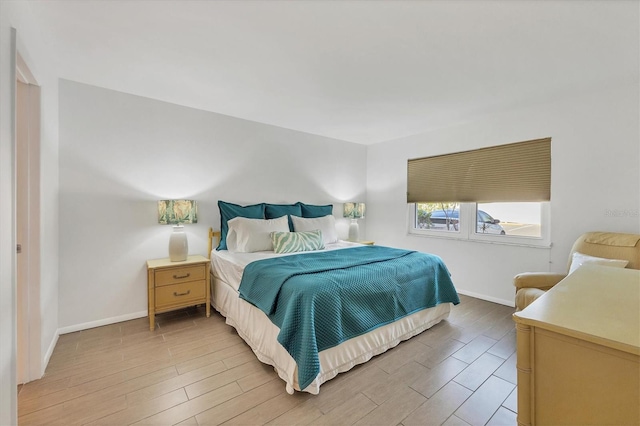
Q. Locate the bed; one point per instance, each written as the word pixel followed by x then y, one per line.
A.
pixel 257 327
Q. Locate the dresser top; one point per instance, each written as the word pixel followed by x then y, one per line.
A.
pixel 595 303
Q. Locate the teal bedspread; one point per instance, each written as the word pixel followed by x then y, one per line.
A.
pixel 320 299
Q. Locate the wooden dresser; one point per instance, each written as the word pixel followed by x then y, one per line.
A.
pixel 578 351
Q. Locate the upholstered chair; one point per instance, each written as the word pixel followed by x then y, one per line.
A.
pixel 607 245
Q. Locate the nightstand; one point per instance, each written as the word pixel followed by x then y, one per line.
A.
pixel 175 285
pixel 367 243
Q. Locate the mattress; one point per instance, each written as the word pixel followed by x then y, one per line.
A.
pixel 261 334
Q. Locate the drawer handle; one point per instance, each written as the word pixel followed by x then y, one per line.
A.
pixel 175 293
pixel 179 277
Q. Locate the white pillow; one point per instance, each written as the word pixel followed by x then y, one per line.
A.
pixel 580 259
pixel 249 235
pixel 326 225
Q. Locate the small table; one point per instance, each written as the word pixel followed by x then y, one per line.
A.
pixel 175 285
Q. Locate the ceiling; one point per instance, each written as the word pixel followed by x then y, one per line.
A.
pixel 359 71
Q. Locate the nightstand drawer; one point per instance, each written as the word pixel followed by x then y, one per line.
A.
pixel 179 275
pixel 179 294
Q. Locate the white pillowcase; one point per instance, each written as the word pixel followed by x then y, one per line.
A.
pixel 326 225
pixel 580 259
pixel 250 235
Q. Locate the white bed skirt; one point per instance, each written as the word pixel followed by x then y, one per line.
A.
pixel 262 336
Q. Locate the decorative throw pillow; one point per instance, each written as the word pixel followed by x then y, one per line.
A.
pixel 311 210
pixel 291 242
pixel 326 224
pixel 273 211
pixel 580 259
pixel 251 235
pixel 229 210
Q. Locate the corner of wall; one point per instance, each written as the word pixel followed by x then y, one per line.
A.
pixel 49 352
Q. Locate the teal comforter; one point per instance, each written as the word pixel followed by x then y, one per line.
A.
pixel 320 299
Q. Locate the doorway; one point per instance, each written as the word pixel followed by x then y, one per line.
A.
pixel 28 356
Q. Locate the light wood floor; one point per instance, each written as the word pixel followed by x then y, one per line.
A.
pixel 194 370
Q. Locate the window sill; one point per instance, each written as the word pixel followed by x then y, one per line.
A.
pixel 518 242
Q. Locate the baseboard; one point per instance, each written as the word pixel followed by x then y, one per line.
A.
pixel 47 356
pixel 100 323
pixel 511 303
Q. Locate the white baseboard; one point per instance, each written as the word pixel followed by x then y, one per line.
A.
pixel 511 302
pixel 100 323
pixel 47 356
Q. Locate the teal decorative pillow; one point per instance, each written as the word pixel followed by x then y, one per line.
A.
pixel 291 242
pixel 312 211
pixel 274 211
pixel 229 210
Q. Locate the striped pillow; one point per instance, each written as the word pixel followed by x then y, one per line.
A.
pixel 291 242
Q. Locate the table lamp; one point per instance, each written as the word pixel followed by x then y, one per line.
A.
pixel 177 213
pixel 354 211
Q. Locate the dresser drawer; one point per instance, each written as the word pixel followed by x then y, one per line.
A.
pixel 180 294
pixel 179 275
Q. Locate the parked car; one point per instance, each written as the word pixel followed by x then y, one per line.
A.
pixel 450 219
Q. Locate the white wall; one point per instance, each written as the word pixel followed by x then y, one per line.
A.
pixel 121 153
pixel 49 211
pixel 595 170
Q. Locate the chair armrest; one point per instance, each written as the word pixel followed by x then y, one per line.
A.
pixel 541 280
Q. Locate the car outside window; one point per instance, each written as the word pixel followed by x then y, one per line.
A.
pixel 487 225
pixel 483 217
pixel 439 217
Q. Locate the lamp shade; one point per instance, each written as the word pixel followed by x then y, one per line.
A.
pixel 176 213
pixel 354 210
pixel 172 212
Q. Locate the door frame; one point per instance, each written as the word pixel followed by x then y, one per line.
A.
pixel 27 223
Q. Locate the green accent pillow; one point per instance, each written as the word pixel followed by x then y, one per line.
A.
pixel 291 242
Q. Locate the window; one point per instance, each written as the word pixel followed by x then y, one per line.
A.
pixel 515 178
pixel 506 223
pixel 437 216
pixel 514 219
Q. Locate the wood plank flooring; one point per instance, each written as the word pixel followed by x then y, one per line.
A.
pixel 194 370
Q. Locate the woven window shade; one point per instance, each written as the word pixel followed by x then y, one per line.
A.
pixel 506 173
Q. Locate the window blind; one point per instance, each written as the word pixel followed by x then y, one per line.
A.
pixel 505 173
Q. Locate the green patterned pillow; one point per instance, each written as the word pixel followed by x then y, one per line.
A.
pixel 291 242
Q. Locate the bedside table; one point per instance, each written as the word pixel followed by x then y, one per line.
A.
pixel 175 285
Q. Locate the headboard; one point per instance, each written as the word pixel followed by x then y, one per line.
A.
pixel 212 234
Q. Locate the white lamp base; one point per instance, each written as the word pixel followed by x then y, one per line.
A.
pixel 354 230
pixel 178 244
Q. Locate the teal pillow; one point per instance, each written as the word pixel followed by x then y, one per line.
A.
pixel 291 242
pixel 228 211
pixel 274 211
pixel 311 211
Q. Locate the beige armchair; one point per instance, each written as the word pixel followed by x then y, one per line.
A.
pixel 610 245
